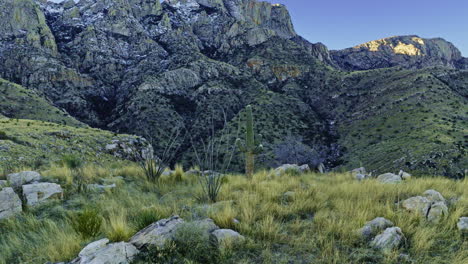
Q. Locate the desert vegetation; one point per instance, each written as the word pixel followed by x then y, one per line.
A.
pixel 298 218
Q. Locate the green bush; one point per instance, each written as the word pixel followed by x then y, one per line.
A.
pixel 87 223
pixel 194 244
pixel 71 161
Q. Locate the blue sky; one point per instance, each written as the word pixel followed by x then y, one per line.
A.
pixel 345 23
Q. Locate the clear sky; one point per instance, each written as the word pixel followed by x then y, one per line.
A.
pixel 345 23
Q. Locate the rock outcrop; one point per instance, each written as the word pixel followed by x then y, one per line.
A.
pixel 405 51
pixel 157 234
pixel 432 206
pixel 18 179
pixel 390 239
pixel 101 251
pixel 10 203
pixel 39 192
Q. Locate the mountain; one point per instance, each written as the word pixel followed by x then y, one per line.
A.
pixel 410 52
pixel 145 67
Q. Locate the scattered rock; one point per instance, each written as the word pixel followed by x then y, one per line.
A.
pixel 100 187
pixel 193 172
pixel 93 247
pixel 361 177
pixel 100 252
pixel 437 211
pixel 374 227
pixel 389 178
pixel 291 167
pixel 25 177
pixel 463 224
pixel 38 192
pixel 361 170
pixel 404 175
pixel 158 233
pixel 10 203
pixel 390 239
pixel 227 237
pixel 417 204
pixel 434 196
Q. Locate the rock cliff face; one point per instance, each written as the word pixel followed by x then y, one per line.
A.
pixel 145 66
pixel 405 51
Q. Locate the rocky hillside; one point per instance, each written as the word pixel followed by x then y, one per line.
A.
pixel 140 66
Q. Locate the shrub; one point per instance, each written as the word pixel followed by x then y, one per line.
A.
pixel 146 217
pixel 71 161
pixel 193 242
pixel 87 223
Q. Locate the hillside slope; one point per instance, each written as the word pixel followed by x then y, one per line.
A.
pixel 145 67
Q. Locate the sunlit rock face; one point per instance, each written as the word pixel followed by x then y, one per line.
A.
pixel 405 51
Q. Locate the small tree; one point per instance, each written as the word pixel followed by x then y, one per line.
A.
pixel 251 145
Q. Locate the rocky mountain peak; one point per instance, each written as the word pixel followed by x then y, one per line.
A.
pixel 407 51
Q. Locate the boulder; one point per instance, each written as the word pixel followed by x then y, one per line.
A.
pixel 389 178
pixel 38 192
pixel 158 233
pixel 361 177
pixel 417 204
pixel 437 211
pixel 206 225
pixel 463 224
pixel 360 170
pixel 390 239
pixel 100 252
pixel 227 237
pixel 404 175
pixel 291 167
pixel 25 177
pixel 101 187
pixel 10 203
pixel 374 227
pixel 434 196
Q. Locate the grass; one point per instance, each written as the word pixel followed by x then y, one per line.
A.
pixel 317 226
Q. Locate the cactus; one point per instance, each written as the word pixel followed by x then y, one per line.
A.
pixel 251 146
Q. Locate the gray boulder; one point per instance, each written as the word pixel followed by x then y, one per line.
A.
pixel 158 233
pixel 100 252
pixel 360 170
pixel 437 212
pixel 227 237
pixel 291 167
pixel 10 203
pixel 390 239
pixel 463 224
pixel 418 204
pixel 20 178
pixel 101 187
pixel 434 196
pixel 374 227
pixel 38 192
pixel 361 177
pixel 389 178
pixel 404 175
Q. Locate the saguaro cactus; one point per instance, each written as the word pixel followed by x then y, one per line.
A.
pixel 251 146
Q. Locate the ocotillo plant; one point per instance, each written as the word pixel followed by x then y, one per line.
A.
pixel 251 146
